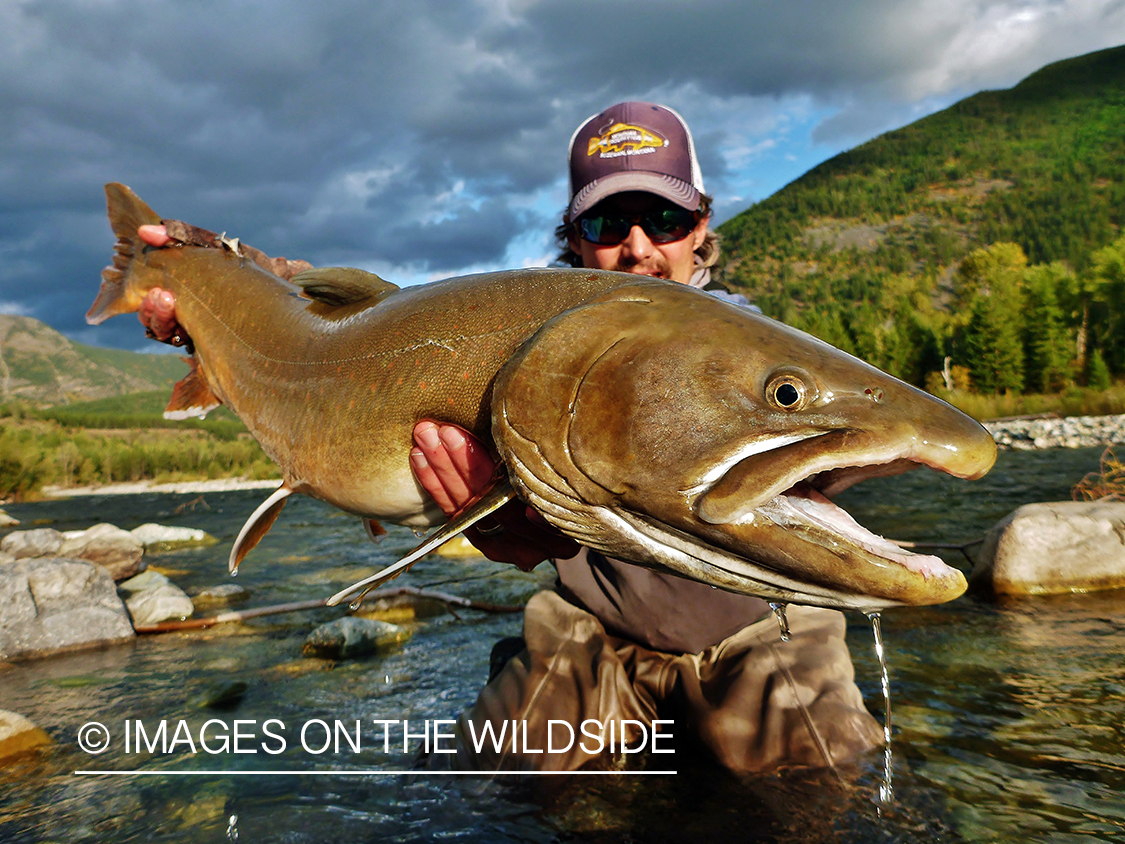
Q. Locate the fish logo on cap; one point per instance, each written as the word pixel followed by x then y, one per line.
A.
pixel 625 139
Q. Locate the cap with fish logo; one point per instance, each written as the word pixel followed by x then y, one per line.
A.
pixel 633 146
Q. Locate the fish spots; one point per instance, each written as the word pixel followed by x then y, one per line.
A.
pixel 874 393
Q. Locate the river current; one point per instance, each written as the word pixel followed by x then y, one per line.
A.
pixel 1008 717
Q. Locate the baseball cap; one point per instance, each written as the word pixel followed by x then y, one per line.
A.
pixel 633 146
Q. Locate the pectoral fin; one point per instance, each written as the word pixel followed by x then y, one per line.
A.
pixel 258 525
pixel 493 499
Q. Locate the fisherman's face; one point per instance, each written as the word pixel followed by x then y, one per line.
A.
pixel 638 252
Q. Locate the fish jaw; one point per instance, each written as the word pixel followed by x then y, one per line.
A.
pixel 652 406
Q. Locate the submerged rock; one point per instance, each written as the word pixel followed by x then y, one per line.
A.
pixel 159 538
pixel 18 735
pixel 117 550
pixel 55 604
pixel 350 637
pixel 221 694
pixel 1053 548
pixel 152 598
pixel 217 597
pixel 7 521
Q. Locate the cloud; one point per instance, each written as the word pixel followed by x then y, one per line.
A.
pixel 429 138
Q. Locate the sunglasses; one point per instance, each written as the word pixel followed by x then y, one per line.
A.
pixel 663 226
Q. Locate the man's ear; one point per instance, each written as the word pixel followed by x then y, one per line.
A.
pixel 700 232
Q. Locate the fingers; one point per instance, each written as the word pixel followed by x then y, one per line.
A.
pixel 154 235
pixel 454 467
pixel 158 313
pixel 436 470
pixel 468 456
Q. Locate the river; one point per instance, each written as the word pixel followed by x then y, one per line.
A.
pixel 1008 718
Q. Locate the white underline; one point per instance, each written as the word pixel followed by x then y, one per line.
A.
pixel 367 773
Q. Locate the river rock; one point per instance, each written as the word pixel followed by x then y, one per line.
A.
pixel 55 604
pixel 351 637
pixel 158 538
pixel 1053 548
pixel 117 550
pixel 41 542
pixel 215 597
pixel 18 735
pixel 7 521
pixel 152 598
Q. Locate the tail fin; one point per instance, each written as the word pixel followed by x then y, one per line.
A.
pixel 127 211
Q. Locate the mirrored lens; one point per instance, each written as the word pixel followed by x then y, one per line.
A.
pixel 663 226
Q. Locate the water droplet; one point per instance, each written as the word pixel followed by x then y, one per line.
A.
pixel 234 572
pixel 356 604
pixel 232 828
pixel 782 619
pixel 418 532
pixel 886 789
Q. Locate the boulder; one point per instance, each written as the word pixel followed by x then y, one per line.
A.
pixel 152 598
pixel 159 538
pixel 56 604
pixel 350 637
pixel 117 550
pixel 42 542
pixel 217 597
pixel 1055 547
pixel 18 735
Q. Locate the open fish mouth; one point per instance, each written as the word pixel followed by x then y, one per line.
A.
pixel 806 505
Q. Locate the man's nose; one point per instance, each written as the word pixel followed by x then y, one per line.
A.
pixel 637 244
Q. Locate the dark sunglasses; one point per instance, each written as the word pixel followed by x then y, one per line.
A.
pixel 663 226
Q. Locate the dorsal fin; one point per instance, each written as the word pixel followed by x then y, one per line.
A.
pixel 342 285
pixel 191 395
pixel 258 525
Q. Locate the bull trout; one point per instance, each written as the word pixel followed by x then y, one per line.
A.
pixel 643 418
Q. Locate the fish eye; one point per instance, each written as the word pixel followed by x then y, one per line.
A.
pixel 787 391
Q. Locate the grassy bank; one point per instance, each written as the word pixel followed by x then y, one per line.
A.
pixel 1074 402
pixel 36 452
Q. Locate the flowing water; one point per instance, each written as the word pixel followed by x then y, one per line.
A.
pixel 1008 717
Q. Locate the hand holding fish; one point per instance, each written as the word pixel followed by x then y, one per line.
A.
pixel 454 467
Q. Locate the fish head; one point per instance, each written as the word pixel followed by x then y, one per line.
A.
pixel 663 426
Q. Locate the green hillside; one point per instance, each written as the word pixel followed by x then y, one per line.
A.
pixel 40 366
pixel 868 250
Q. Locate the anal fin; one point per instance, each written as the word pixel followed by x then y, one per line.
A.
pixel 258 525
pixel 191 395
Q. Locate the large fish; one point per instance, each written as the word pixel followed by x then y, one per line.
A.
pixel 643 418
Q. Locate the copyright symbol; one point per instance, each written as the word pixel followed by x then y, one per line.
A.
pixel 93 737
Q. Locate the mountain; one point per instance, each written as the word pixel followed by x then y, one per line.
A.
pixel 865 249
pixel 41 366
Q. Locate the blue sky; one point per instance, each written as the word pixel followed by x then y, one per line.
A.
pixel 428 139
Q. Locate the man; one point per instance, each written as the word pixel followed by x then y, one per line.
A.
pixel 614 642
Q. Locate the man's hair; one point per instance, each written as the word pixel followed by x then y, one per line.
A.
pixel 708 251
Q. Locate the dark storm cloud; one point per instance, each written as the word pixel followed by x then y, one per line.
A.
pixel 424 138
